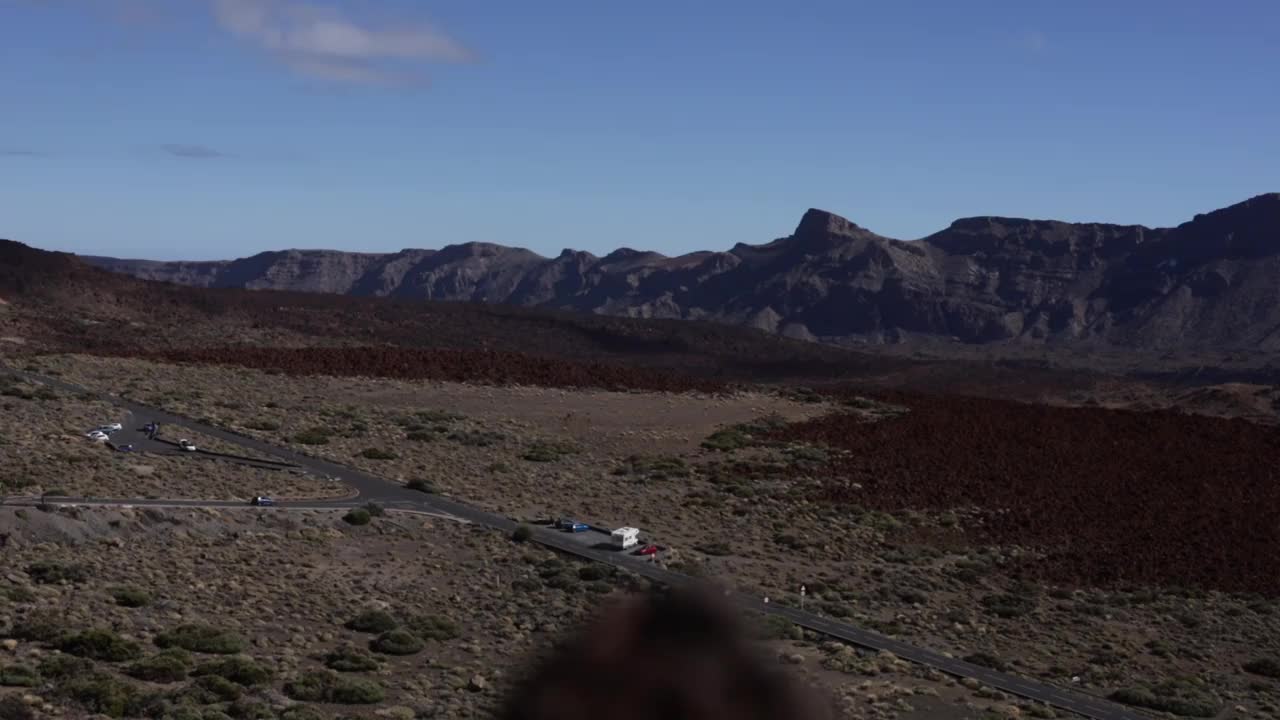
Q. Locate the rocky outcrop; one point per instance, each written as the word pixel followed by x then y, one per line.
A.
pixel 1208 283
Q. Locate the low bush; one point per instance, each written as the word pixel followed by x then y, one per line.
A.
pixel 263 425
pixel 12 708
pixel 526 585
pixel 522 533
pixel 423 486
pixel 38 626
pixel 1008 606
pixel 420 436
pixel 209 689
pixel 328 686
pixel 372 621
pixel 987 660
pixel 590 573
pixel 167 666
pixel 477 438
pixel 314 436
pixel 727 440
pixel 547 451
pixel 130 597
pixel 349 659
pixel 437 416
pixel 201 639
pixel 397 642
pixel 433 627
pixel 59 666
pixel 100 644
pixel 714 548
pixel 374 509
pixel 19 676
pixel 100 692
pixel 48 572
pixel 1266 667
pixel 239 669
pixel 359 516
pixel 17 594
pixel 301 712
pixel 1169 698
pixel 378 454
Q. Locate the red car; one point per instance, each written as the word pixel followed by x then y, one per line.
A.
pixel 648 550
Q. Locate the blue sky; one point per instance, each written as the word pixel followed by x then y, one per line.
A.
pixel 218 128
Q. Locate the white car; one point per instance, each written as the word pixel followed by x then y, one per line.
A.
pixel 186 445
pixel 111 427
pixel 96 436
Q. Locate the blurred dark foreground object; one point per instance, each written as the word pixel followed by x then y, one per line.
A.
pixel 681 655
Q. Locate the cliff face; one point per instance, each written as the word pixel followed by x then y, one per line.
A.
pixel 1208 283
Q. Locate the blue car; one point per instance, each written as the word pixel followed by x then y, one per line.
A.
pixel 579 527
pixel 263 501
pixel 125 448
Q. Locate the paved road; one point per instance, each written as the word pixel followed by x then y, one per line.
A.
pixel 395 496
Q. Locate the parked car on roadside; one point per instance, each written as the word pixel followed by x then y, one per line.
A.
pixel 647 550
pixel 124 448
pixel 186 445
pixel 96 436
pixel 262 501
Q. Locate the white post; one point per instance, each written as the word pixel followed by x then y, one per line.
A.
pixel 801 597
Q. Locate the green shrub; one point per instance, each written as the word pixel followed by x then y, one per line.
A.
pixel 59 666
pixel 328 686
pixel 209 689
pixel 773 627
pixel 1170 698
pixel 372 621
pixel 48 572
pixel 100 644
pixel 356 691
pixel 727 440
pixel 12 708
pixel 547 451
pixel 1266 667
pixel 374 509
pixel 19 676
pixel 592 572
pixel 130 597
pixel 167 666
pixel 359 516
pixel 263 425
pixel 477 438
pixel 714 548
pixel 378 454
pixel 101 693
pixel 433 627
pixel 424 486
pixel 38 626
pixel 314 436
pixel 397 642
pixel 239 669
pixel 201 639
pixel 1008 606
pixel 420 436
pixel 301 712
pixel 987 660
pixel 522 533
pixel 17 594
pixel 437 416
pixel 349 659
pixel 526 585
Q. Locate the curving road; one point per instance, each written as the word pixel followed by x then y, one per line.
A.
pixel 396 497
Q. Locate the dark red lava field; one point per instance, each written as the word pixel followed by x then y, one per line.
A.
pixel 1111 497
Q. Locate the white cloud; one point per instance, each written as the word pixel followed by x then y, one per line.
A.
pixel 321 42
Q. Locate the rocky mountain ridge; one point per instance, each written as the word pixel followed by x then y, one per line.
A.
pixel 1209 283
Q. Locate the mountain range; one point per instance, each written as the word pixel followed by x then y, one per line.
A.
pixel 1209 283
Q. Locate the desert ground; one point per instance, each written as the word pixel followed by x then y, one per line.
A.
pixel 714 478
